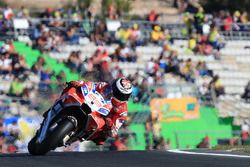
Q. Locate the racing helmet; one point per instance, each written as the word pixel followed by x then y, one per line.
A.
pixel 122 89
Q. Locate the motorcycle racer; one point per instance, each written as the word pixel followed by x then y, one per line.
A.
pixel 118 92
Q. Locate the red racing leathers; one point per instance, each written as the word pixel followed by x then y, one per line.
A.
pixel 118 112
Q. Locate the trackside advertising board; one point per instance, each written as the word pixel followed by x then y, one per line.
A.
pixel 175 110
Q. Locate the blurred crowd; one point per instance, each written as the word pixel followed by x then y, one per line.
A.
pixel 203 30
pixel 69 25
pixel 24 79
pixel 9 137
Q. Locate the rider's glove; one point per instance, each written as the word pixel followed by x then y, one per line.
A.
pixel 109 123
pixel 110 128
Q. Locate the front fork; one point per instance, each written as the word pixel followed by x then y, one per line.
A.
pixel 48 117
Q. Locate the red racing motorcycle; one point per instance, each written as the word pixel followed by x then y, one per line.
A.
pixel 78 115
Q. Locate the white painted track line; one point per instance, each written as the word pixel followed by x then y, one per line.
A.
pixel 210 154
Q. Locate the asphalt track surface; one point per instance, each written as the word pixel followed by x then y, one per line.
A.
pixel 120 159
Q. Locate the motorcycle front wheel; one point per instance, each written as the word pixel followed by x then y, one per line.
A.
pixel 53 139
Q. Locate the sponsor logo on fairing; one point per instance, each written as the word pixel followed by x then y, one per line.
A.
pixel 85 90
pixel 103 111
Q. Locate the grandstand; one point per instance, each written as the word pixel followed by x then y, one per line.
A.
pixel 161 57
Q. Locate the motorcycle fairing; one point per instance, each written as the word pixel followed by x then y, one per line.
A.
pixel 95 123
pixel 65 101
pixel 95 100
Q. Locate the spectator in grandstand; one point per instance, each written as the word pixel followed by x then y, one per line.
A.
pixel 5 64
pixel 99 35
pixel 206 26
pixel 243 20
pixel 244 17
pixel 161 144
pixel 205 143
pixel 13 130
pixel 105 74
pixel 17 87
pixel 216 86
pixel 202 47
pixel 156 128
pixel 13 134
pixel 98 56
pixel 245 131
pixel 28 94
pixel 162 62
pixel 42 41
pixel 148 129
pixel 112 12
pixel 214 38
pixel 218 18
pixel 199 18
pixel 71 37
pixel 8 13
pixel 23 13
pixel 152 16
pixel 246 94
pixel 188 71
pixel 73 61
pixel 38 66
pixel 116 72
pixel 181 5
pixel 75 16
pixel 192 45
pixel 9 46
pixel 86 66
pixel 157 35
pixel 150 67
pixel 236 16
pixel 147 92
pixel 55 41
pixel 202 69
pixel 36 32
pixel 61 79
pixel 136 93
pixel 57 21
pixel 188 21
pixel 205 93
pixel 227 21
pixel 19 65
pixel 45 80
pixel 135 35
pixel 192 6
pixel 173 63
pixel 236 20
pixel 124 53
pixel 122 35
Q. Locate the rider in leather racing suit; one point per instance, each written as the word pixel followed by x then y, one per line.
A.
pixel 119 93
